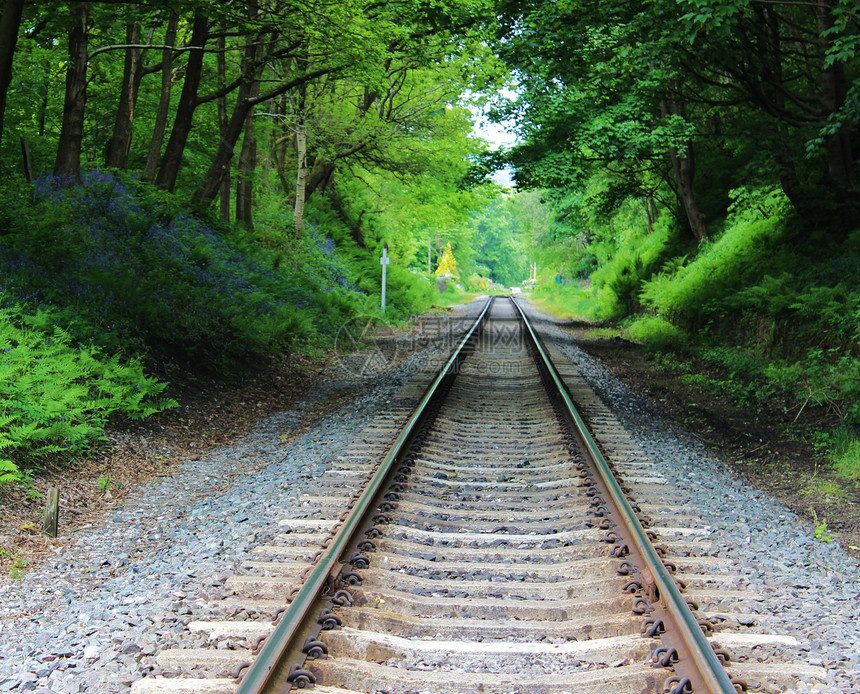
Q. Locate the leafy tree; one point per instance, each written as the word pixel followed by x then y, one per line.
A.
pixel 448 264
pixel 657 92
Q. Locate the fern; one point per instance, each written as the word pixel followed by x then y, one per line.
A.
pixel 9 472
pixel 57 397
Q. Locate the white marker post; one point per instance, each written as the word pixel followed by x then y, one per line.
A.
pixel 384 260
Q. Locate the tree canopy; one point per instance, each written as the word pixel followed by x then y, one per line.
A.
pixel 681 98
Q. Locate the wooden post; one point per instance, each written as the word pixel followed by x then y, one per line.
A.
pixel 52 512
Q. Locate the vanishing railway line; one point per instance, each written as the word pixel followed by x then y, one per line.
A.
pixel 490 549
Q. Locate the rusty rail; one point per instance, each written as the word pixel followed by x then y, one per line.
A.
pixel 707 673
pixel 286 638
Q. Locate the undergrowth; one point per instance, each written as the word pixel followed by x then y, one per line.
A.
pixel 106 281
pixel 570 301
pixel 57 397
pixel 143 275
pixel 767 309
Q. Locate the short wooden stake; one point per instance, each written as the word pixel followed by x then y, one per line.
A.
pixel 52 512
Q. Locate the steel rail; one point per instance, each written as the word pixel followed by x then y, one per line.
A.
pixel 258 676
pixel 711 670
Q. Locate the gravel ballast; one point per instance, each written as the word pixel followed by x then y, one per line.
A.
pixel 815 585
pixel 91 616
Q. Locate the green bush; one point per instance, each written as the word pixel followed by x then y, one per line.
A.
pixel 620 280
pixel 57 397
pixel 846 457
pixel 657 334
pixel 741 256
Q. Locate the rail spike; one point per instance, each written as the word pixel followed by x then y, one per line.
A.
pixel 678 685
pixel 300 677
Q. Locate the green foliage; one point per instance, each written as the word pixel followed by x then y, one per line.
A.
pixel 503 229
pixel 622 277
pixel 140 275
pixel 408 293
pixel 567 300
pixel 846 456
pixel 820 532
pixel 104 483
pixel 826 378
pixel 19 563
pixel 57 397
pixel 627 86
pixel 737 258
pixel 657 334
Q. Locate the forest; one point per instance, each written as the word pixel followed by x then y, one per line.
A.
pixel 195 186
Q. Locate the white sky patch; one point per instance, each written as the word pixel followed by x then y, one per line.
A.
pixel 496 135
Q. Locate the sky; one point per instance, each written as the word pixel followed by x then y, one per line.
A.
pixel 498 135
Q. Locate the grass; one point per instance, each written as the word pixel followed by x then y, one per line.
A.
pixel 603 333
pixel 657 334
pixel 844 451
pixel 18 563
pixel 569 301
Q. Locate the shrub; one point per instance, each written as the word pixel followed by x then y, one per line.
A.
pixel 738 258
pixel 657 334
pixel 624 275
pixel 56 397
pixel 847 459
pixel 144 274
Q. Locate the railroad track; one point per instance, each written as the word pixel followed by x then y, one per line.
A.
pixel 491 548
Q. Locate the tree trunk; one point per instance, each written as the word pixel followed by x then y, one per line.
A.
pixel 220 165
pixel 248 155
pixel 249 89
pixel 834 90
pixel 223 122
pixel 684 173
pixel 245 182
pixel 28 161
pixel 72 129
pixel 299 104
pixel 120 141
pixel 172 160
pixel 203 197
pixel 319 177
pixel 683 166
pixel 301 177
pixel 279 145
pixel 42 117
pixel 9 24
pixel 157 140
pixel 322 172
pixel 647 203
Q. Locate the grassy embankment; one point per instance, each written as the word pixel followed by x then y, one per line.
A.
pixel 767 310
pixel 109 289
